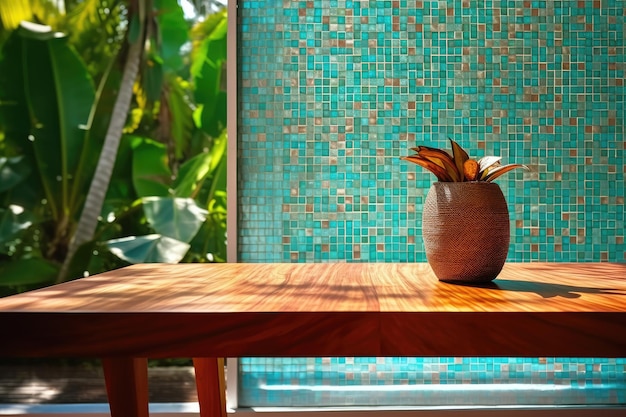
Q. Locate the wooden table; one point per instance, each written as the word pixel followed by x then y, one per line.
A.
pixel 209 311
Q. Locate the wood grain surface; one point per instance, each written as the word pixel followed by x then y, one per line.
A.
pixel 323 309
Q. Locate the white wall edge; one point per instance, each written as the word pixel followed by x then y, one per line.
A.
pixel 231 122
pixel 232 189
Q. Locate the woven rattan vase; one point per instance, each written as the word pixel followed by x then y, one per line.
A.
pixel 466 231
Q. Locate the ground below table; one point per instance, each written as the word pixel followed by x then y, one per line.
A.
pixel 69 384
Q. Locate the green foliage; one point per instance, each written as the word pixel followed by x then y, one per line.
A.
pixel 46 94
pixel 13 220
pixel 27 272
pixel 175 103
pixel 12 172
pixel 148 248
pixel 59 94
pixel 173 32
pixel 178 218
pixel 176 221
pixel 150 170
pixel 167 199
pixel 206 71
pixel 187 212
pixel 96 30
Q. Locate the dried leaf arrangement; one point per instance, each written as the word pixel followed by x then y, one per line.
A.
pixel 458 166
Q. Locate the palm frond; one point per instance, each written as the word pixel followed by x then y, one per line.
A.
pixel 86 13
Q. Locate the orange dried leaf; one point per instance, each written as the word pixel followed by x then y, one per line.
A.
pixel 437 170
pixel 456 166
pixel 440 157
pixel 459 155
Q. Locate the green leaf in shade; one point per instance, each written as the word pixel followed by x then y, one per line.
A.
pixel 28 272
pixel 213 117
pixel 12 220
pixel 151 173
pixel 196 170
pixel 148 248
pixel 460 156
pixel 496 172
pixel 153 77
pixel 12 172
pixel 181 119
pixel 178 218
pixel 135 28
pixel 192 174
pixel 14 117
pixel 59 94
pixel 173 32
pixel 120 188
pixel 206 72
pixel 220 180
pixel 208 59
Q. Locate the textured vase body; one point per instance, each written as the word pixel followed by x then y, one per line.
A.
pixel 466 230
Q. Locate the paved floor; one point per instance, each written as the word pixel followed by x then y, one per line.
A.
pixel 66 384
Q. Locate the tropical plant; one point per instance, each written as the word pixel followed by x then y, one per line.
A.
pixel 99 184
pixel 45 98
pixel 458 166
pixel 175 220
pixel 167 170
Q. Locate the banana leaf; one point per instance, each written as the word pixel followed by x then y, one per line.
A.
pixel 178 218
pixel 149 248
pixel 180 115
pixel 195 172
pixel 206 71
pixel 151 173
pixel 59 94
pixel 173 32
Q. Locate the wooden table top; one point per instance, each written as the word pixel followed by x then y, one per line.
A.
pixel 321 309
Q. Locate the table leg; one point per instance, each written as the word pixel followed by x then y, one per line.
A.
pixel 211 386
pixel 127 386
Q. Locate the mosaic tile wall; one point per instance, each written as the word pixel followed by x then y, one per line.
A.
pixel 293 382
pixel 333 92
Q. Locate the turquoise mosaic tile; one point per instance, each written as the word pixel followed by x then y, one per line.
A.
pixel 446 381
pixel 332 93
